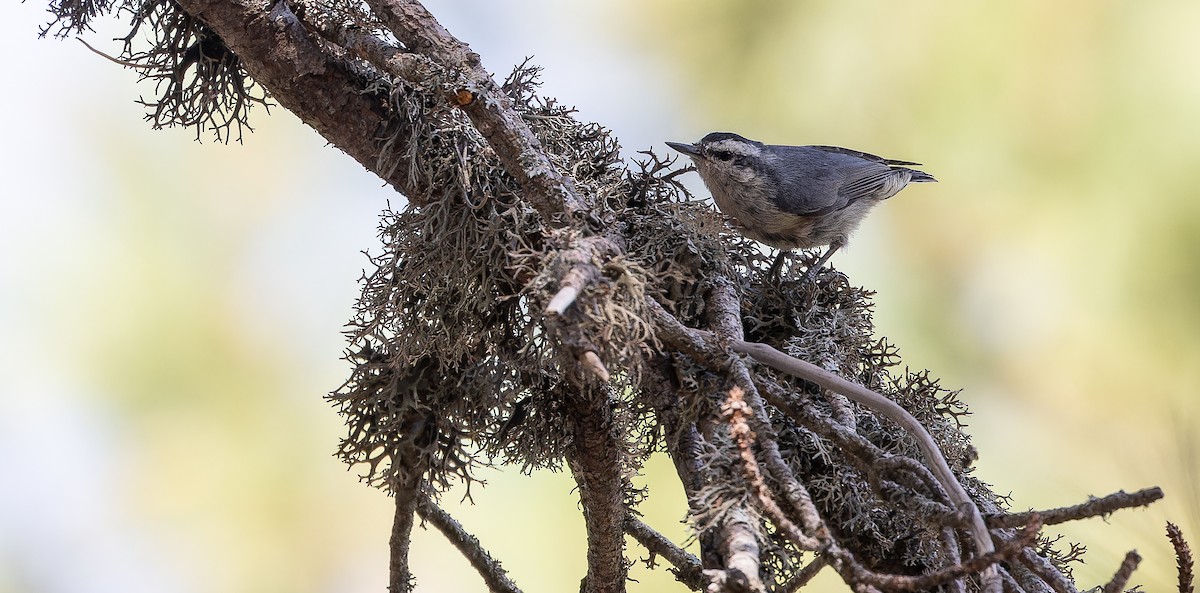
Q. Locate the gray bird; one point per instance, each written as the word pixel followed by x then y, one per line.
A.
pixel 795 196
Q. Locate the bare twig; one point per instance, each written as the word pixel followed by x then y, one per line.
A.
pixel 1037 567
pixel 112 59
pixel 565 295
pixel 1121 578
pixel 1092 508
pixel 489 568
pixel 1183 558
pixel 687 568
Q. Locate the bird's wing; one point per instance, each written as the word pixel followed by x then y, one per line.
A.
pixel 820 180
pixel 863 155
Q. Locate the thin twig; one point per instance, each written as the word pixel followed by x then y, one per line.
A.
pixel 1039 567
pixel 115 60
pixel 591 361
pixel 1121 578
pixel 1092 508
pixel 489 568
pixel 688 569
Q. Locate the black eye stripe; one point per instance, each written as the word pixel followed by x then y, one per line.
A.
pixel 730 156
pixel 734 158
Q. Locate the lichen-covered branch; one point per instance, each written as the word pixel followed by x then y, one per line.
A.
pixel 400 577
pixel 542 303
pixel 551 192
pixel 597 469
pixel 318 86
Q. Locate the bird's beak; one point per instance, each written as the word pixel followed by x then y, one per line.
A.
pixel 688 149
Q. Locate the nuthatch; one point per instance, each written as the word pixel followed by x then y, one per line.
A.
pixel 795 196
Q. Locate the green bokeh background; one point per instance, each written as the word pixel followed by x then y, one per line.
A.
pixel 170 311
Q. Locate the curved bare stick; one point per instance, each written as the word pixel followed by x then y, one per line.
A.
pixel 929 449
pixel 112 59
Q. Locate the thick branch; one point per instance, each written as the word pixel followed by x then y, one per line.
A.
pixel 400 578
pixel 323 91
pixel 594 459
pixel 550 192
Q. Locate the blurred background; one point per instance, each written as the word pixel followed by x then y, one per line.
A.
pixel 164 346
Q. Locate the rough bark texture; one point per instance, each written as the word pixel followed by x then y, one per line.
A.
pixel 401 577
pixel 321 89
pixel 596 465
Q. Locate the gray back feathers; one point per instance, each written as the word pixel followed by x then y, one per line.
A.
pixel 817 180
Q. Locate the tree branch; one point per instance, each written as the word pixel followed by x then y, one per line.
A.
pixel 1121 578
pixel 933 455
pixel 687 567
pixel 400 578
pixel 322 90
pixel 551 193
pixel 489 568
pixel 1092 508
pixel 593 459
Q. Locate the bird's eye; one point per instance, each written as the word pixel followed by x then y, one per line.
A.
pixel 722 155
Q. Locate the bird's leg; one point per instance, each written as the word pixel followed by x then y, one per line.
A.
pixel 777 265
pixel 816 267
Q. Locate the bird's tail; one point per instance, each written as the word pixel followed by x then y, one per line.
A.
pixel 920 176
